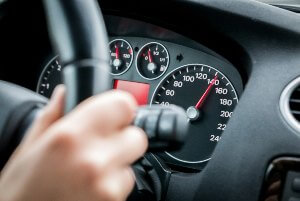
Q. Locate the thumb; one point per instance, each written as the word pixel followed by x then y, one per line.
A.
pixel 50 114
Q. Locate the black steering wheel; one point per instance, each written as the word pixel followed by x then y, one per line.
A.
pixel 79 36
pixel 258 150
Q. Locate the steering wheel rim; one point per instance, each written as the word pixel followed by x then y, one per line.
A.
pixel 78 34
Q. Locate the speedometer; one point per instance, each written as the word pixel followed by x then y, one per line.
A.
pixel 209 99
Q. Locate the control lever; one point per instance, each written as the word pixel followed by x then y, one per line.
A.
pixel 166 127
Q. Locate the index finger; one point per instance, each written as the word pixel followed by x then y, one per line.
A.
pixel 107 113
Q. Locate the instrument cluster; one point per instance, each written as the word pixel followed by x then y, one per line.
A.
pixel 160 72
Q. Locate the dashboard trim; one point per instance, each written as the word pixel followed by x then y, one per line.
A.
pixel 284 104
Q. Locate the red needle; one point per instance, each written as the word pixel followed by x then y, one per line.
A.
pixel 204 96
pixel 150 56
pixel 117 52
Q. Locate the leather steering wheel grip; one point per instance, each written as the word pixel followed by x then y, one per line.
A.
pixel 77 30
pixel 78 34
pixel 17 110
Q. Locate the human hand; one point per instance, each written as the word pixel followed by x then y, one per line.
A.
pixel 83 156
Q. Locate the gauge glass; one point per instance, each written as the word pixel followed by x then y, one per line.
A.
pixel 209 99
pixel 152 60
pixel 121 56
pixel 50 78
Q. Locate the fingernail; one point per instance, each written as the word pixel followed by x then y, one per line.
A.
pixel 58 90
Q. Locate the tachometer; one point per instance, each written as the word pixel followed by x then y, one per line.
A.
pixel 209 99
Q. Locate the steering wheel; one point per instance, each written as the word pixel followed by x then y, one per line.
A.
pixel 248 159
pixel 78 34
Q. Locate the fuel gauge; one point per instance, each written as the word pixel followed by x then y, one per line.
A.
pixel 121 56
pixel 152 60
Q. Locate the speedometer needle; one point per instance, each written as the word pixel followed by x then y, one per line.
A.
pixel 207 91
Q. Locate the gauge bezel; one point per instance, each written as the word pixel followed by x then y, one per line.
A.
pixel 43 72
pixel 137 57
pixel 132 55
pixel 163 80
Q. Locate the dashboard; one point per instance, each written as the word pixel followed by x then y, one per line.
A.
pixel 218 60
pixel 153 63
pixel 155 71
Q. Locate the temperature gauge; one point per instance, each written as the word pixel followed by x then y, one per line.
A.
pixel 121 56
pixel 152 61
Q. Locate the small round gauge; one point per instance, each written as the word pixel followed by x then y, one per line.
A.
pixel 50 78
pixel 209 99
pixel 152 60
pixel 121 56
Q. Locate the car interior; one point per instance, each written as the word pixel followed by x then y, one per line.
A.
pixel 217 83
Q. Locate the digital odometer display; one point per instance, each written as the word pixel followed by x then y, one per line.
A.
pixel 209 99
